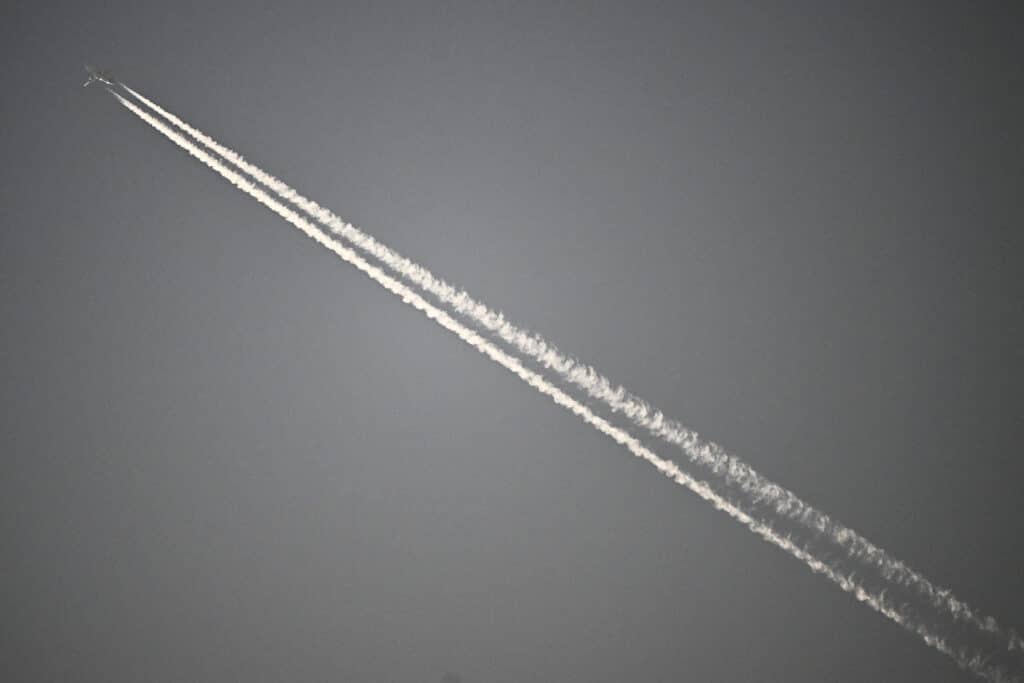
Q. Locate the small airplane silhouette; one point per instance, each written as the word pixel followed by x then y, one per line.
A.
pixel 97 76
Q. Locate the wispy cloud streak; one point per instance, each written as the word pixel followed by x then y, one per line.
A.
pixel 964 655
pixel 733 471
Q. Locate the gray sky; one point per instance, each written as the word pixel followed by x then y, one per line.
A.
pixel 230 456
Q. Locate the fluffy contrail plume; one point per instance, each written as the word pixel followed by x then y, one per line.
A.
pixel 964 655
pixel 734 472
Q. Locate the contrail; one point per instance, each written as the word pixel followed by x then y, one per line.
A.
pixel 707 454
pixel 972 661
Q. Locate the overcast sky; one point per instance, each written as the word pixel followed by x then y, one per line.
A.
pixel 226 455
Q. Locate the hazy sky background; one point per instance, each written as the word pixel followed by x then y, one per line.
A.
pixel 229 456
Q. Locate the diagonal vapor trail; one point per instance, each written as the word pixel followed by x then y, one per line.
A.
pixel 733 471
pixel 964 655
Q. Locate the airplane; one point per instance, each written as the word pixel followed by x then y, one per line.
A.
pixel 97 76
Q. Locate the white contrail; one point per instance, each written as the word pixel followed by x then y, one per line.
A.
pixel 974 662
pixel 705 453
